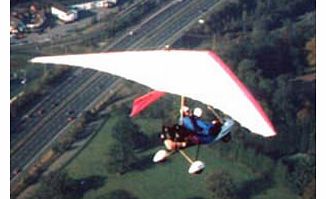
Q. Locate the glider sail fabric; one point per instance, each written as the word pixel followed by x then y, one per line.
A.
pixel 144 101
pixel 199 75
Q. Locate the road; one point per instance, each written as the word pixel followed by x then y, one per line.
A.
pixel 72 97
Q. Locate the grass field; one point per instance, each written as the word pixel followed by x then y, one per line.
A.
pixel 167 180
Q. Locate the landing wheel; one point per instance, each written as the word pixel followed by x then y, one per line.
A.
pixel 196 167
pixel 227 138
pixel 161 156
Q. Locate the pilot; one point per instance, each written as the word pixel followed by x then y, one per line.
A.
pixel 193 131
pixel 194 123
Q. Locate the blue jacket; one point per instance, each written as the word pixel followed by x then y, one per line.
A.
pixel 200 127
pixel 197 125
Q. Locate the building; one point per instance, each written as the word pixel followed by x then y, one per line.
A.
pixel 94 4
pixel 63 13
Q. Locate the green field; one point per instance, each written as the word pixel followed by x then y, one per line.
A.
pixel 167 180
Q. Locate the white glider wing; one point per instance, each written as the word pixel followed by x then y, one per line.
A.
pixel 200 75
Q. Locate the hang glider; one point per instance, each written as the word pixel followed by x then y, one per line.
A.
pixel 199 75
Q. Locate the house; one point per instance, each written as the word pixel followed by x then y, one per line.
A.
pixel 94 4
pixel 63 13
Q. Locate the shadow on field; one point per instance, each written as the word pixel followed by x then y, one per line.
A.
pixel 145 143
pixel 153 141
pixel 146 162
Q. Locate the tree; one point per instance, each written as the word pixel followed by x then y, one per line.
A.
pixel 121 158
pixel 54 186
pixel 221 185
pixel 309 191
pixel 302 170
pixel 259 33
pixel 266 87
pixel 311 48
pixel 247 72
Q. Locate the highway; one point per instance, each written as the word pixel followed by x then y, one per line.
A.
pixel 164 28
pixel 44 122
pixel 74 102
pixel 48 104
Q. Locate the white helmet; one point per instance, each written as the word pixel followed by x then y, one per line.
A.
pixel 198 112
